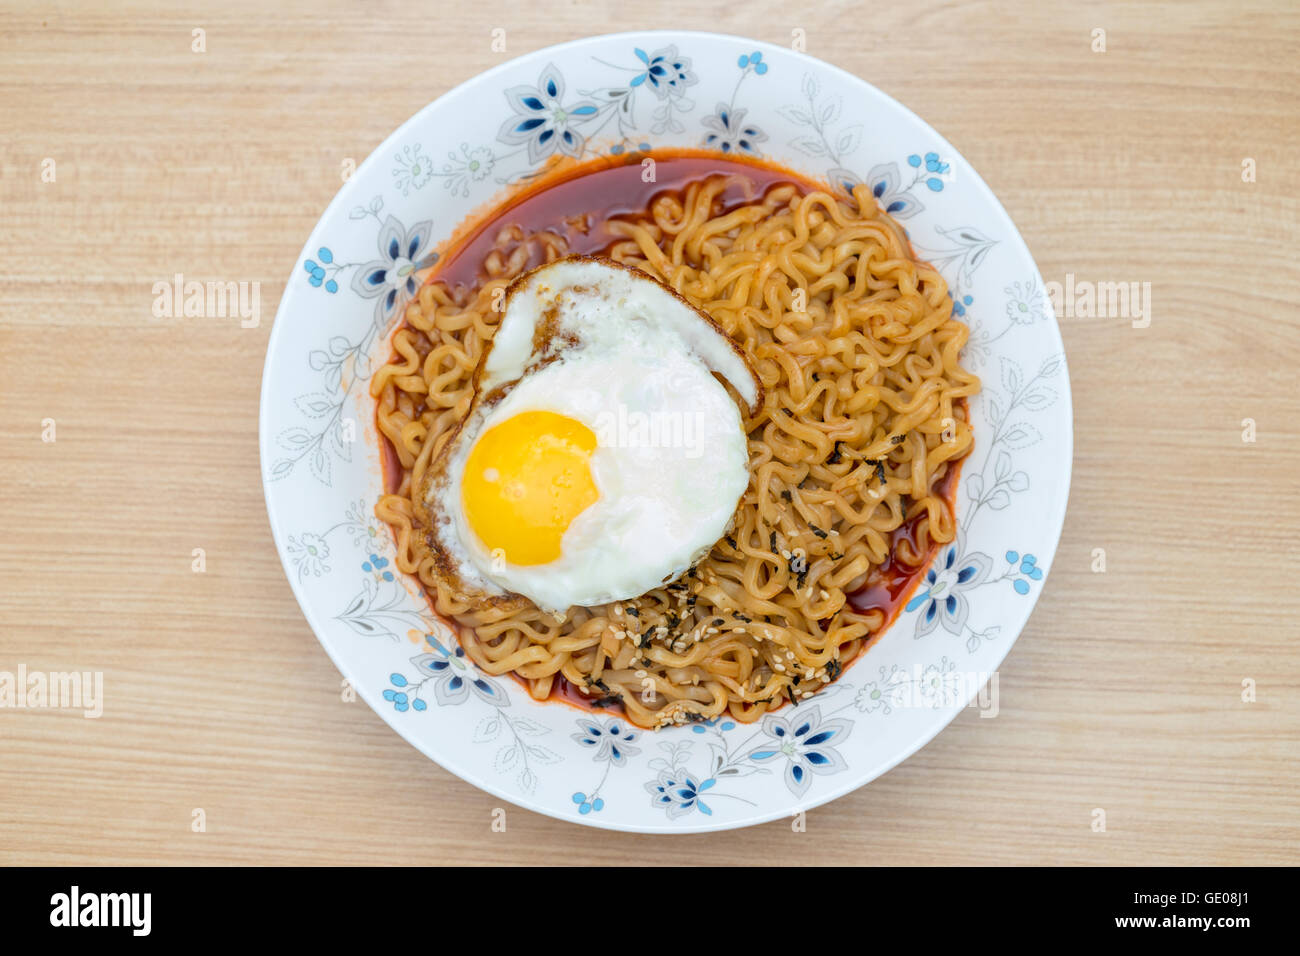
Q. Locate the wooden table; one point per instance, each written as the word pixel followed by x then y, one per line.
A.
pixel 1125 691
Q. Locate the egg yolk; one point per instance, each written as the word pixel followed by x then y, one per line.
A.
pixel 525 481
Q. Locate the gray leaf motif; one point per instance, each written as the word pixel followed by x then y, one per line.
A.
pixel 527 780
pixel 992 410
pixel 809 145
pixel 530 728
pixel 319 463
pixel 795 114
pixel 831 111
pixel 541 754
pixel 1012 378
pixel 1039 398
pixel 849 140
pixel 293 439
pixel 339 443
pixel 370 614
pixel 507 758
pixel 372 209
pixel 965 252
pixel 1021 435
pixel 488 729
pixel 1003 475
pixel 314 404
pixel 1002 467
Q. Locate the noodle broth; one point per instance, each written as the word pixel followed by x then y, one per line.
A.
pixel 865 416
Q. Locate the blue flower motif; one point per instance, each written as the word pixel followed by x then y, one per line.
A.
pixel 542 121
pixel 730 131
pixel 753 61
pixel 941 596
pixel 885 186
pixel 455 677
pixel 393 278
pixel 666 73
pixel 678 793
pixel 613 739
pixel 807 743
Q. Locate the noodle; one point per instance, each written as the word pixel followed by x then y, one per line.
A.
pixel 864 415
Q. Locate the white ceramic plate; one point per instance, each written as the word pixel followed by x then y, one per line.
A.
pixel 320 455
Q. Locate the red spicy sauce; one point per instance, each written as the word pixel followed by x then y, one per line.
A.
pixel 577 203
pixel 889 585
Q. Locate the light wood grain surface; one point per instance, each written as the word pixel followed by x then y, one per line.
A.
pixel 1124 692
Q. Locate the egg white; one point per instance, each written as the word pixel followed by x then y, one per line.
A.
pixel 636 365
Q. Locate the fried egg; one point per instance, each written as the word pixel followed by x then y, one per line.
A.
pixel 604 453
